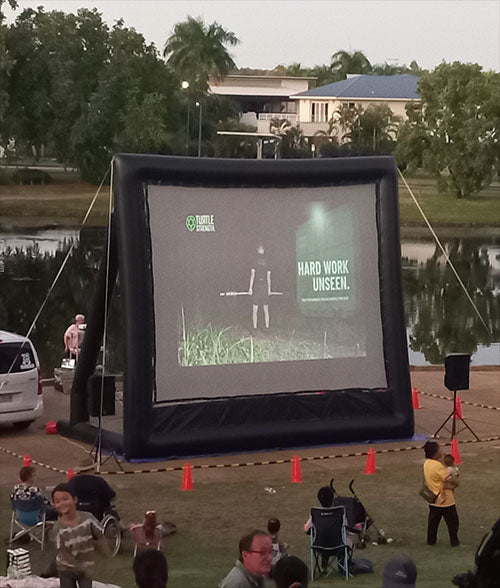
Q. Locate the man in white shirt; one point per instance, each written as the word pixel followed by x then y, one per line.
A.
pixel 73 337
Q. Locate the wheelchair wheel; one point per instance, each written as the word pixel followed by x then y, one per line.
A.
pixel 112 532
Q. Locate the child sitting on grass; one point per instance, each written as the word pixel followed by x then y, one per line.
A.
pixel 75 534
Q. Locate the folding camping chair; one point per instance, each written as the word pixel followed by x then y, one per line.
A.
pixel 329 541
pixel 28 518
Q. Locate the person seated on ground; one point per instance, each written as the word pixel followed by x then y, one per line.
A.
pixel 399 571
pixel 151 569
pixel 27 489
pixel 325 497
pixel 148 534
pixel 279 549
pixel 254 563
pixel 290 572
pixel 93 492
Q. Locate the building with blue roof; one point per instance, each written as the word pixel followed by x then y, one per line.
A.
pixel 316 107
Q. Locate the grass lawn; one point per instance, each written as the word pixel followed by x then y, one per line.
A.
pixel 66 204
pixel 225 502
pixel 446 208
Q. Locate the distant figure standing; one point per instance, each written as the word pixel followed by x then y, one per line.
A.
pixel 73 337
pixel 260 287
pixel 440 482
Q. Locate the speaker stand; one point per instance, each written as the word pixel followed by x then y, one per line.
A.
pixel 454 426
pixel 96 450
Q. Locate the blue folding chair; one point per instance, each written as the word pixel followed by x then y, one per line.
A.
pixel 28 518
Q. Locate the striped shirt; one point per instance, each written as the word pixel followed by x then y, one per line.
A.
pixel 75 543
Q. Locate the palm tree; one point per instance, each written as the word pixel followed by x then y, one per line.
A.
pixel 346 116
pixel 279 126
pixel 195 51
pixel 323 74
pixel 376 129
pixel 345 62
pixel 296 70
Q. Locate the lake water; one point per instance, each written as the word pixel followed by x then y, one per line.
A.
pixel 440 318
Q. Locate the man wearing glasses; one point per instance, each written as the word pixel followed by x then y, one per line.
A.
pixel 254 564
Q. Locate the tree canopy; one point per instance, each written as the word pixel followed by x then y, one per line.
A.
pixel 454 131
pixel 83 91
pixel 196 51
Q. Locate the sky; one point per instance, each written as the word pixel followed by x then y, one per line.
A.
pixel 273 32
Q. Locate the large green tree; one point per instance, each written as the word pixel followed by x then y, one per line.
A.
pixel 455 133
pixel 83 91
pixel 195 51
pixel 4 60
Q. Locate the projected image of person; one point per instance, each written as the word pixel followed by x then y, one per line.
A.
pixel 260 287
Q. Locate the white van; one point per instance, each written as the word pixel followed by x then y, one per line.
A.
pixel 21 398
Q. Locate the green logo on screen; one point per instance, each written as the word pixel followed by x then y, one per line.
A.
pixel 201 222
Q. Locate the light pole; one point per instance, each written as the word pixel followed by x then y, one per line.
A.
pixel 185 86
pixel 199 105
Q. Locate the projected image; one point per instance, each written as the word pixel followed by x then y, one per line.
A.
pixel 255 279
pixel 285 294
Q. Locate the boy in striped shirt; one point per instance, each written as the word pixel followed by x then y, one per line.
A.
pixel 76 532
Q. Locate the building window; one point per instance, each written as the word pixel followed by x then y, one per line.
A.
pixel 319 112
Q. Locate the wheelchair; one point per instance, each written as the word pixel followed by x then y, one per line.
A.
pixel 110 523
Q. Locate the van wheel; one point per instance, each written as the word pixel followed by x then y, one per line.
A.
pixel 21 425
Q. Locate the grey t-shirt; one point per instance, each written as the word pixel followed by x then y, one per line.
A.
pixel 240 577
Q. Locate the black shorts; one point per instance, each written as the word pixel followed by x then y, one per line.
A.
pixel 260 294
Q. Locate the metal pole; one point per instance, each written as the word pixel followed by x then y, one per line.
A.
pixel 199 128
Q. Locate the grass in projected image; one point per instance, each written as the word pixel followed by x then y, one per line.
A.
pixel 211 345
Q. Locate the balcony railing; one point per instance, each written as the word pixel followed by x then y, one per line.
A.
pixel 289 116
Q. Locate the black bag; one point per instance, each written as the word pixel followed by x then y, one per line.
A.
pixel 360 565
pixel 427 494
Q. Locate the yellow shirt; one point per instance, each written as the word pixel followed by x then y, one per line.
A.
pixel 435 474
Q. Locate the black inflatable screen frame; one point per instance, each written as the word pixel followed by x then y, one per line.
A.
pixel 265 421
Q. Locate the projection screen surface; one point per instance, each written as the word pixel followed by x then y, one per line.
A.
pixel 261 291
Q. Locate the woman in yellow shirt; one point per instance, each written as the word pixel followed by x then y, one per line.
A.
pixel 439 481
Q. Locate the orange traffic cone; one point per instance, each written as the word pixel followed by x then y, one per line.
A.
pixel 70 474
pixel 27 460
pixel 51 428
pixel 187 477
pixel 370 466
pixel 458 408
pixel 415 398
pixel 455 451
pixel 296 475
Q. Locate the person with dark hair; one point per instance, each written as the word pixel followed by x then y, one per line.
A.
pixel 325 498
pixel 93 492
pixel 398 572
pixel 75 534
pixel 291 572
pixel 279 550
pixel 260 287
pixel 440 482
pixel 151 569
pixel 254 564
